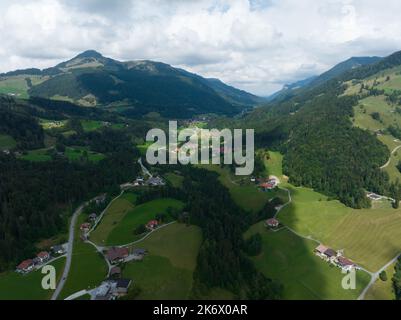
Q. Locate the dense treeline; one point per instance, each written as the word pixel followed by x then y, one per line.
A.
pixel 325 152
pixel 34 197
pixel 221 262
pixel 23 128
pixel 397 280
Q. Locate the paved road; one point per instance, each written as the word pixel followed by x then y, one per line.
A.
pixel 389 160
pixel 61 284
pixel 375 276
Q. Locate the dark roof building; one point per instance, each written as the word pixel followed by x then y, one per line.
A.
pixel 330 253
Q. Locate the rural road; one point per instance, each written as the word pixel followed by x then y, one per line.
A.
pixel 376 275
pixel 144 169
pixel 389 160
pixel 63 279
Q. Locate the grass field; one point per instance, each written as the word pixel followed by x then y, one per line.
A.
pixel 40 155
pixel 274 164
pixel 166 272
pixel 91 125
pixel 27 287
pixel 122 233
pixel 290 260
pixel 370 237
pixel 88 267
pixel 382 290
pixel 7 142
pixel 113 216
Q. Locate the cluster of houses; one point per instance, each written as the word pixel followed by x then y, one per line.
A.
pixel 140 181
pixel 41 258
pixel 335 258
pixel 29 265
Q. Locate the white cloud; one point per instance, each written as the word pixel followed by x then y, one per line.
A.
pixel 257 45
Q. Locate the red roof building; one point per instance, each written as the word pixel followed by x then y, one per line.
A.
pixel 26 266
pixel 43 256
pixel 273 223
pixel 117 254
pixel 152 224
pixel 344 262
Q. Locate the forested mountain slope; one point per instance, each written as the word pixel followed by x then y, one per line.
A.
pixel 142 87
pixel 323 148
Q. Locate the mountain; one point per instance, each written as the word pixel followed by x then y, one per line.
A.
pixel 337 70
pixel 136 87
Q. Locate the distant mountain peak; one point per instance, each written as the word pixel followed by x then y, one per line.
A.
pixel 90 54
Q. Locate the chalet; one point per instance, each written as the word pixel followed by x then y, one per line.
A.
pixel 85 227
pixel 123 286
pixel 152 225
pixel 272 223
pixel 267 186
pixel 25 266
pixel 116 255
pixel 345 264
pixel 93 217
pixel 43 256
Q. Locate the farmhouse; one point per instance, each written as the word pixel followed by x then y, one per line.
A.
pixel 25 266
pixel 345 264
pixel 43 256
pixel 272 223
pixel 115 255
pixel 153 224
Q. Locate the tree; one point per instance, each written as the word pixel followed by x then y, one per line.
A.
pixel 383 276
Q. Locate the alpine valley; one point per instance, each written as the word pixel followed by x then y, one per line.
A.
pixel 77 193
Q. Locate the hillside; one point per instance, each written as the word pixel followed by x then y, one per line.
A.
pixel 322 132
pixel 347 65
pixel 134 88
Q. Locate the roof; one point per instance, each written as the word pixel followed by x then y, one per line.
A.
pixel 43 255
pixel 25 264
pixel 330 253
pixel 321 248
pixel 117 253
pixel 272 222
pixel 85 225
pixel 344 262
pixel 123 283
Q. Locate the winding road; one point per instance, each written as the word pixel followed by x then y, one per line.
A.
pixel 61 284
pixel 389 160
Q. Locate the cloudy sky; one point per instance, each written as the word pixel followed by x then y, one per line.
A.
pixel 256 45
